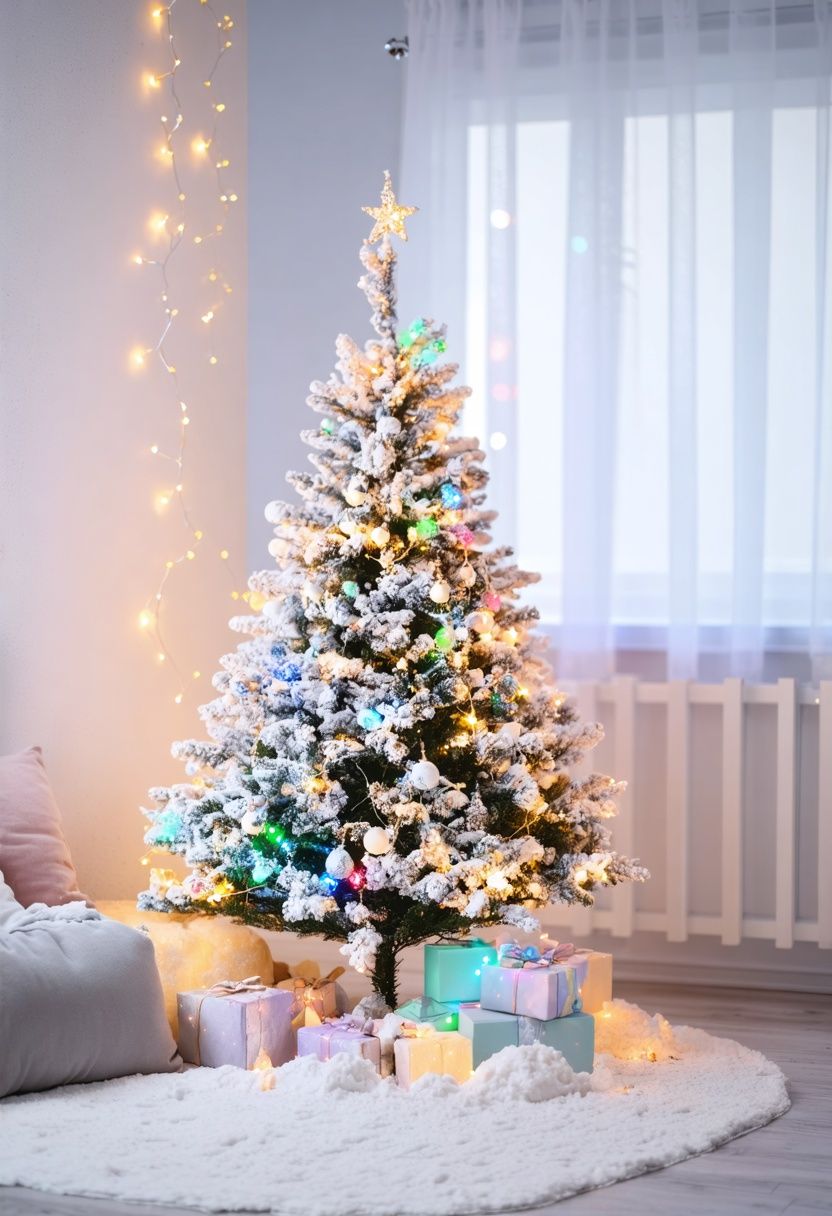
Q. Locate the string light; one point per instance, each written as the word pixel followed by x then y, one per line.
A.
pixel 169 227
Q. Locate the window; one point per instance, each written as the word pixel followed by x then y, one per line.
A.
pixel 644 468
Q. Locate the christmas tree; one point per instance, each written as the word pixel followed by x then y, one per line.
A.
pixel 389 758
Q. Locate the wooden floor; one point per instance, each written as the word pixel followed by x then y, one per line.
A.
pixel 783 1168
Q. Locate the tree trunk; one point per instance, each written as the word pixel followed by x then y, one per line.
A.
pixel 384 972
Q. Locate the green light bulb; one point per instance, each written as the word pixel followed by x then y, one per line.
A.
pixel 350 589
pixel 427 528
pixel 444 638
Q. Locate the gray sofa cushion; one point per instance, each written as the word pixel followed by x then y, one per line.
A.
pixel 80 1000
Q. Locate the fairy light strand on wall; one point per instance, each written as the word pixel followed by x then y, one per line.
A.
pixel 172 228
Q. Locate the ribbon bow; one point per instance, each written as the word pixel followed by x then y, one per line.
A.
pixel 226 987
pixel 304 988
pixel 512 954
pixel 416 1030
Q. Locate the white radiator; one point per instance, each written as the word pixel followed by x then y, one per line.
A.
pixel 728 802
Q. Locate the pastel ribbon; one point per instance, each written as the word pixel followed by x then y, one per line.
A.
pixel 512 954
pixel 330 1028
pixel 416 1030
pixel 226 987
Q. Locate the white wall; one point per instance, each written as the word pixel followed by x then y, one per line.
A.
pixel 81 545
pixel 324 122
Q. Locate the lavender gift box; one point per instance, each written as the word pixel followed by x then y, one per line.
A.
pixel 538 992
pixel 220 1026
pixel 341 1035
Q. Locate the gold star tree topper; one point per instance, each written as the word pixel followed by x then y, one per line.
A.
pixel 390 216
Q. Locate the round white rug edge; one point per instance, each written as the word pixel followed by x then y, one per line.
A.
pixel 641 1090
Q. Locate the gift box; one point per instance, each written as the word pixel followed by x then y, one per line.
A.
pixel 315 997
pixel 593 968
pixel 234 1023
pixel 454 970
pixel 573 1036
pixel 543 992
pixel 426 1010
pixel 421 1050
pixel 594 971
pixel 339 1035
pixel 490 1031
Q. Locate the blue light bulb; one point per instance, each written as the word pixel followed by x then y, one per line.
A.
pixel 451 496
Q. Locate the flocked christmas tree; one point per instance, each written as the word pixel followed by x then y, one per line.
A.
pixel 389 758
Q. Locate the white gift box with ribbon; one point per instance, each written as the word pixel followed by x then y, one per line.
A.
pixel 236 1023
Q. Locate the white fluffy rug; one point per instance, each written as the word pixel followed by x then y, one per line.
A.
pixel 524 1131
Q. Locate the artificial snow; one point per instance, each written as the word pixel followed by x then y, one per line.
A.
pixel 524 1131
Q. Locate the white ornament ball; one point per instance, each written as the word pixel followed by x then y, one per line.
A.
pixel 354 496
pixel 467 576
pixel 347 526
pixel 273 512
pixel 278 547
pixel 480 622
pixel 440 592
pixel 339 863
pixel 272 608
pixel 424 775
pixel 377 842
pixel 250 823
pixel 380 537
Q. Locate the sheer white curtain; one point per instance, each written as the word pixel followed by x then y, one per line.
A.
pixel 626 224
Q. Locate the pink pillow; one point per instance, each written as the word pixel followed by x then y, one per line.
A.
pixel 34 855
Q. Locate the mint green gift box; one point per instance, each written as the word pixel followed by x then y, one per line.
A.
pixel 453 970
pixel 426 1010
pixel 573 1036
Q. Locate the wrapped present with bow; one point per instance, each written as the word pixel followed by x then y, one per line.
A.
pixel 315 997
pixel 345 1034
pixel 547 990
pixel 592 968
pixel 490 1031
pixel 236 1022
pixel 419 1049
pixel 454 970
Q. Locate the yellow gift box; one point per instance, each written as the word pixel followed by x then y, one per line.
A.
pixel 421 1050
